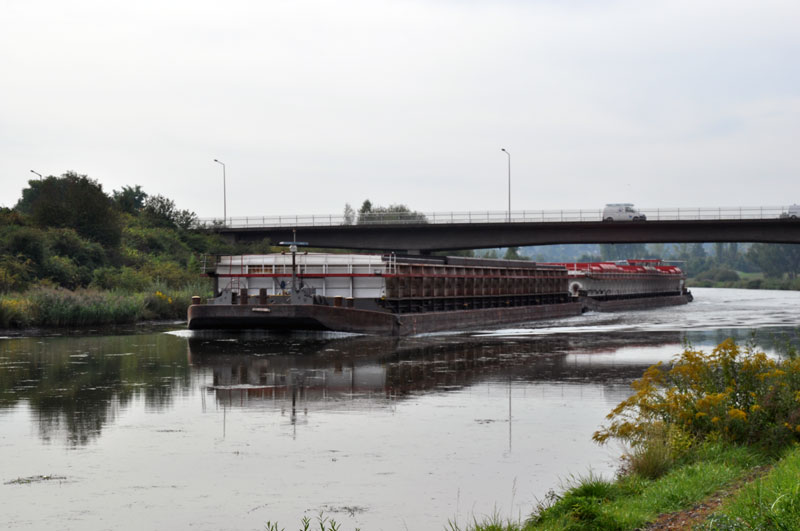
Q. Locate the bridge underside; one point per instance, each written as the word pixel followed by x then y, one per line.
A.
pixel 426 238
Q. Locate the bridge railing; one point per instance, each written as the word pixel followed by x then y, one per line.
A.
pixel 497 216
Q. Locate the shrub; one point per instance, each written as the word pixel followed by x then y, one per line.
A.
pixel 15 273
pixel 124 279
pixel 62 271
pixel 15 312
pixel 732 394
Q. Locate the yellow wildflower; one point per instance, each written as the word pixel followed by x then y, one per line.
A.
pixel 737 414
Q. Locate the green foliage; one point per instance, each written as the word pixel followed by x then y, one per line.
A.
pixel 24 242
pixel 68 243
pixel 719 275
pixel 512 253
pixel 771 502
pixel 45 306
pixel 323 523
pixel 130 199
pixel 15 273
pixel 156 241
pixel 733 394
pixel 631 501
pixel 776 260
pixel 64 272
pixel 15 312
pixel 126 279
pixel 63 308
pixel 393 213
pixel 623 251
pixel 162 212
pixel 73 201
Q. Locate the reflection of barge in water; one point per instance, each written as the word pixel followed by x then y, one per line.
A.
pixel 321 370
pixel 394 295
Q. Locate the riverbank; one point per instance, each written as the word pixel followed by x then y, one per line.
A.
pixel 702 434
pixel 44 307
pixel 750 282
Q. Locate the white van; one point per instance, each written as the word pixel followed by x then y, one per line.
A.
pixel 792 213
pixel 622 212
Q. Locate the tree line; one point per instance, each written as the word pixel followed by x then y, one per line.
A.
pixel 66 231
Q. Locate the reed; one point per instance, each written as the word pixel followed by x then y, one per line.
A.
pixel 45 306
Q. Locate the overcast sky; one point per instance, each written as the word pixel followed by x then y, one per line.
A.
pixel 314 104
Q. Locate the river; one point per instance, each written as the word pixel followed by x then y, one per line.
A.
pixel 168 429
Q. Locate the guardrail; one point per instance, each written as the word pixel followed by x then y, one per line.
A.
pixel 517 216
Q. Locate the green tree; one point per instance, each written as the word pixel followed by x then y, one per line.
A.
pixel 162 212
pixel 776 259
pixel 73 201
pixel 623 251
pixel 512 253
pixel 393 213
pixel 130 199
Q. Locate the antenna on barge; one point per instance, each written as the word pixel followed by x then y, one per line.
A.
pixel 293 249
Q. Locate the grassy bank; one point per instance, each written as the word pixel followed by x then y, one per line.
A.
pixel 751 281
pixel 52 307
pixel 696 428
pixel 770 502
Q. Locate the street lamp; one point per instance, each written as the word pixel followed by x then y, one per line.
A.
pixel 509 182
pixel 224 195
pixel 37 173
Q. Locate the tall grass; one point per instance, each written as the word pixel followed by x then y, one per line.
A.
pixel 49 307
pixel 64 308
pixel 771 502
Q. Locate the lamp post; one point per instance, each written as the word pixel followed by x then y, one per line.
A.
pixel 509 182
pixel 224 195
pixel 39 174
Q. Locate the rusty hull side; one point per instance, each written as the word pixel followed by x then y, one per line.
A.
pixel 290 317
pixel 422 323
pixel 642 303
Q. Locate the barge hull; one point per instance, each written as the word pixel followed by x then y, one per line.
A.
pixel 641 303
pixel 316 317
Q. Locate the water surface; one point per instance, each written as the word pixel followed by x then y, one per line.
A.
pixel 221 431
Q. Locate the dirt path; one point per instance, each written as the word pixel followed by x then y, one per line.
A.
pixel 688 518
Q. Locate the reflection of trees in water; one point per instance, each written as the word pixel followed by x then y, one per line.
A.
pixel 76 385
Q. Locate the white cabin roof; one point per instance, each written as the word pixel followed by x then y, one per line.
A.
pixel 311 259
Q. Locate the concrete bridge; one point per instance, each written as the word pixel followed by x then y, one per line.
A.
pixel 424 233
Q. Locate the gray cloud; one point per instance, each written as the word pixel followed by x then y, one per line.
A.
pixel 314 104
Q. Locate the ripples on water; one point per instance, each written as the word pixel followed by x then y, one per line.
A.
pixel 222 431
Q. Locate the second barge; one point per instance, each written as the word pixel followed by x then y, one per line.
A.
pixel 392 295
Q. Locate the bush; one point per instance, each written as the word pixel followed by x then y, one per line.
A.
pixel 15 312
pixel 62 271
pixel 124 279
pixel 719 275
pixel 732 394
pixel 15 273
pixel 67 242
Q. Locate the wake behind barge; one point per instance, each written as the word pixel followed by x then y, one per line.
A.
pixel 393 295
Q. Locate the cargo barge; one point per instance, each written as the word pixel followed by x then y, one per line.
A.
pixel 403 295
